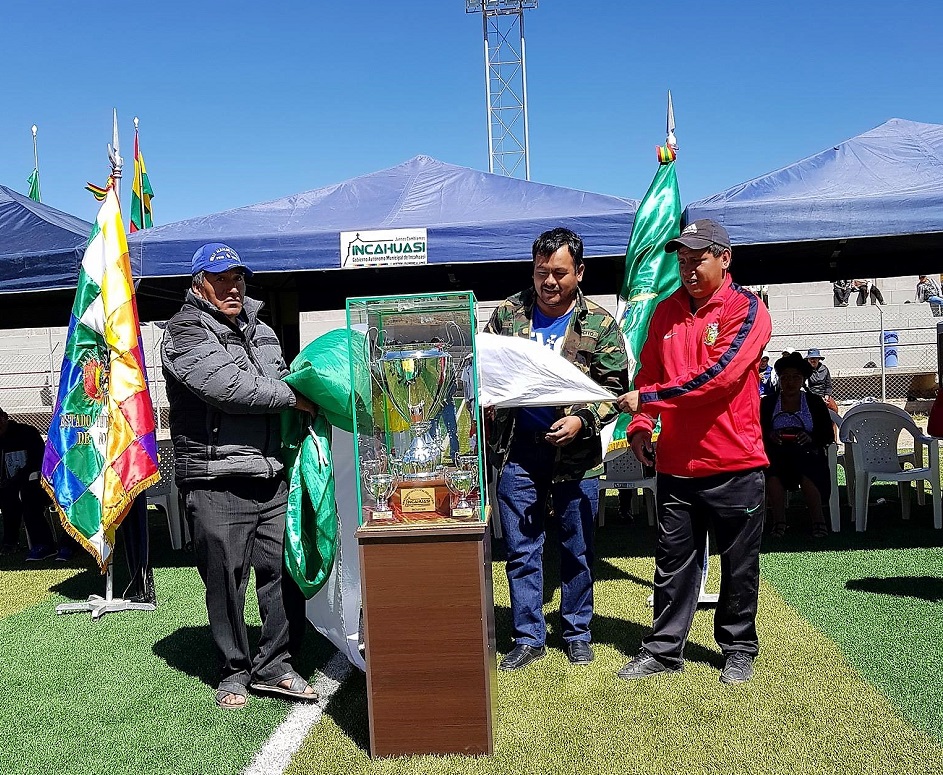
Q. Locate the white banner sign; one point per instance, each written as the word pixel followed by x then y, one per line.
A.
pixel 389 247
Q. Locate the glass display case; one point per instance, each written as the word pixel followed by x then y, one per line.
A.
pixel 417 424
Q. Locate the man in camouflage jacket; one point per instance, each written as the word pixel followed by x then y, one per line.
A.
pixel 554 452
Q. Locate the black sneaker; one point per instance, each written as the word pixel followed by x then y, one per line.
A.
pixel 644 665
pixel 40 552
pixel 521 656
pixel 738 670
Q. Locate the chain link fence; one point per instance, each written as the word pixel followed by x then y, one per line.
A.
pixel 887 353
pixel 30 360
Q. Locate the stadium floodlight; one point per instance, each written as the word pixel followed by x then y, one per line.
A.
pixel 505 84
pixel 498 6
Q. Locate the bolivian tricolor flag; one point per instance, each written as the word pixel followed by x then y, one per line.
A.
pixel 141 193
pixel 101 451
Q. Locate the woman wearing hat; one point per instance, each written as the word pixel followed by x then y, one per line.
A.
pixel 797 428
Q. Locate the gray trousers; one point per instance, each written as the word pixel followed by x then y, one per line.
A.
pixel 238 523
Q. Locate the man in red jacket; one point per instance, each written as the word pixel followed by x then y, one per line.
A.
pixel 699 374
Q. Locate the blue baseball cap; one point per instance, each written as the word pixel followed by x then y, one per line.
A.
pixel 216 257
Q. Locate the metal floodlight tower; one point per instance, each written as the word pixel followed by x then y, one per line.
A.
pixel 505 83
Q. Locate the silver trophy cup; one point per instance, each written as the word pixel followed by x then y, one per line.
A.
pixel 462 482
pixel 417 380
pixel 381 487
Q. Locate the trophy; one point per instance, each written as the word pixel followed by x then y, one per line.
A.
pixel 417 380
pixel 380 485
pixel 462 482
pixel 467 462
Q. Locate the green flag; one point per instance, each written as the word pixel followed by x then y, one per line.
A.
pixel 321 372
pixel 651 275
pixel 33 181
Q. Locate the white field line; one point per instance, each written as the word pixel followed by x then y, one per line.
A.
pixel 276 753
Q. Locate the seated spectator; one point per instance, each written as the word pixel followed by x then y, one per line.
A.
pixel 797 428
pixel 22 499
pixel 865 289
pixel 767 385
pixel 762 291
pixel 842 290
pixel 928 291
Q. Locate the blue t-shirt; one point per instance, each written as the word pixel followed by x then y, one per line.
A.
pixel 549 332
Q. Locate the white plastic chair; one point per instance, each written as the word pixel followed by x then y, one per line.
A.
pixel 845 458
pixel 834 460
pixel 625 473
pixel 165 494
pixel 873 430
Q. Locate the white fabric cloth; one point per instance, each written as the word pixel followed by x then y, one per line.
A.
pixel 335 609
pixel 518 372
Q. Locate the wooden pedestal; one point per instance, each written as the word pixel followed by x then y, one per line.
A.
pixel 428 611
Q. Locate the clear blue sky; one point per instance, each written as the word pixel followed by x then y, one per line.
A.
pixel 242 102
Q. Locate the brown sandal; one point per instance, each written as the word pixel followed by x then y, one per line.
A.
pixel 820 530
pixel 779 530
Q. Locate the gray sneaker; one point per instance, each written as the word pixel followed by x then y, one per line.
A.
pixel 738 670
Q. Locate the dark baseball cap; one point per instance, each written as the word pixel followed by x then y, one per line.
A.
pixel 698 235
pixel 217 258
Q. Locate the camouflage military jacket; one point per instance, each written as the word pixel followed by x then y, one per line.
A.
pixel 594 343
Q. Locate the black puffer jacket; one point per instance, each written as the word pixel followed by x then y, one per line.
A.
pixel 225 393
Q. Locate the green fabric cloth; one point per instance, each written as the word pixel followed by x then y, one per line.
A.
pixel 33 181
pixel 651 275
pixel 322 373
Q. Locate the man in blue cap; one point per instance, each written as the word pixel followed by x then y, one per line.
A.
pixel 223 368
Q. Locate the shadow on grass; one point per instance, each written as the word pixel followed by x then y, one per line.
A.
pixel 348 709
pixel 191 651
pixel 623 635
pixel 922 587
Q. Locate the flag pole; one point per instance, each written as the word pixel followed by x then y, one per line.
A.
pixel 35 154
pixel 114 156
pixel 34 191
pixel 136 182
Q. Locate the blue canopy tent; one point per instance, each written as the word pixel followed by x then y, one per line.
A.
pixel 470 217
pixel 40 253
pixel 870 206
pixel 479 232
pixel 40 247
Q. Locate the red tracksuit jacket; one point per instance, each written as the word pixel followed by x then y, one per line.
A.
pixel 700 373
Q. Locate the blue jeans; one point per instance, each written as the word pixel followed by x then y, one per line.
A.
pixel 447 415
pixel 525 483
